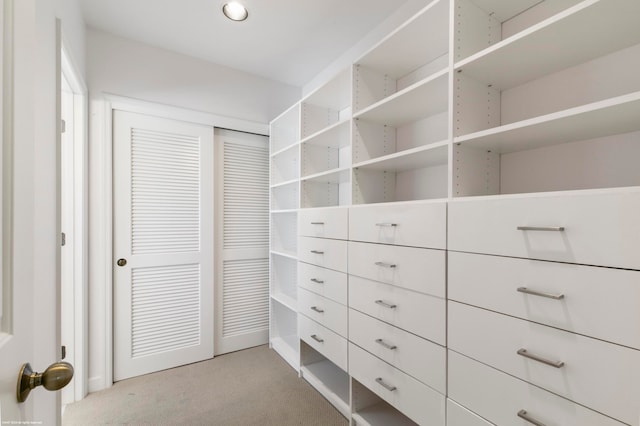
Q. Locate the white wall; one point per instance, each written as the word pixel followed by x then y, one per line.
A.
pixel 116 66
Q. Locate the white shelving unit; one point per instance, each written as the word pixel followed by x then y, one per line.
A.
pixel 285 194
pixel 469 102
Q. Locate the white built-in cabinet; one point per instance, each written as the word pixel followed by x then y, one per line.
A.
pixel 454 233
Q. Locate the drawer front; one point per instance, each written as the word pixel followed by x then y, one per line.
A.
pixel 412 268
pixel 418 225
pixel 329 344
pixel 417 313
pixel 415 400
pixel 596 374
pixel 598 302
pixel 457 415
pixel 499 398
pixel 324 222
pixel 323 252
pixel 599 229
pixel 409 353
pixel 325 282
pixel 331 314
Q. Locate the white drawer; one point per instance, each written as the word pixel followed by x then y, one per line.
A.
pixel 325 282
pixel 330 254
pixel 420 403
pixel 599 229
pixel 457 415
pixel 499 398
pixel 416 269
pixel 596 374
pixel 329 222
pixel 329 344
pixel 417 313
pixel 331 314
pixel 415 356
pixel 599 302
pixel 406 224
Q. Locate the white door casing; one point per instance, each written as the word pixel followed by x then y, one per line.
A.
pixel 163 227
pixel 242 291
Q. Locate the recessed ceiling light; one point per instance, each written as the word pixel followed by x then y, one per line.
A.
pixel 235 11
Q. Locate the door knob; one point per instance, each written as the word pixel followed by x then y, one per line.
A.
pixel 121 262
pixel 54 378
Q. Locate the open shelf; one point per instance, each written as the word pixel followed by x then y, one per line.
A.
pixel 284 232
pixel 285 166
pixel 424 156
pixel 285 129
pixel 327 150
pixel 415 50
pixel 285 196
pixel 581 33
pixel 330 380
pixel 371 410
pixel 423 99
pixel 284 280
pixel 327 105
pixel 327 189
pixel 284 333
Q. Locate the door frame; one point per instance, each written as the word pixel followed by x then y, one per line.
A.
pixel 102 227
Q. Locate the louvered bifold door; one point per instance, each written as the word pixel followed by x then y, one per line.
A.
pixel 163 243
pixel 243 292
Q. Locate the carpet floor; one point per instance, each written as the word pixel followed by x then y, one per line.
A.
pixel 250 387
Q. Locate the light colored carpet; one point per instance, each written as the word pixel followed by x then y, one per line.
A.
pixel 250 387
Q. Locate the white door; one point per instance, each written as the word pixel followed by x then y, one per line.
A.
pixel 242 296
pixel 163 243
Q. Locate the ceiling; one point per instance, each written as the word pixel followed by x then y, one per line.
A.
pixel 285 40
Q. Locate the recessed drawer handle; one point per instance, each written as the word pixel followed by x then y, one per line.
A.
pixel 317 252
pixel 386 264
pixel 523 415
pixel 316 338
pixel 385 344
pixel 317 223
pixel 541 228
pixel 386 224
pixel 541 294
pixel 387 386
pixel 385 304
pixel 318 310
pixel 317 281
pixel 556 364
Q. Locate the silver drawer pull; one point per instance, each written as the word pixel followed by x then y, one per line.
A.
pixel 316 338
pixel 317 281
pixel 317 223
pixel 387 386
pixel 386 224
pixel 541 294
pixel 386 265
pixel 556 364
pixel 317 252
pixel 523 415
pixel 318 310
pixel 385 344
pixel 541 228
pixel 385 304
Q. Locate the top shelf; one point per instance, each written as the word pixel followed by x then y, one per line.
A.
pixel 399 53
pixel 586 31
pixel 334 95
pixel 285 129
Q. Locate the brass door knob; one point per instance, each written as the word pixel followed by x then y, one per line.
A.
pixel 121 262
pixel 54 378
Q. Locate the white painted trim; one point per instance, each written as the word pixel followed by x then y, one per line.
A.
pixel 105 236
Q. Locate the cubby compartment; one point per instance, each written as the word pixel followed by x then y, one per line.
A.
pixel 284 333
pixel 285 165
pixel 330 380
pixel 369 409
pixel 284 233
pixel 285 129
pixel 415 174
pixel 328 105
pixel 284 280
pixel 405 58
pixel 327 150
pixel 327 189
pixel 285 196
